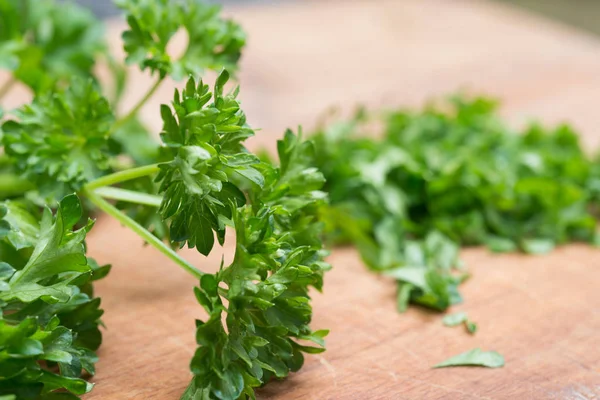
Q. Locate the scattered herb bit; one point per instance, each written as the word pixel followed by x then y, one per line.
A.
pixel 471 326
pixel 474 358
pixel 458 319
pixel 455 319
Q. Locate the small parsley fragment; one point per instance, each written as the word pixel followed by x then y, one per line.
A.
pixel 474 358
pixel 471 326
pixel 458 319
pixel 455 319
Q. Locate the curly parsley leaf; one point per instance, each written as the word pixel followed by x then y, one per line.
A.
pixel 213 42
pixel 203 183
pixel 48 317
pixel 60 141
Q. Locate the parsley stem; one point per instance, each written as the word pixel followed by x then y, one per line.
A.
pixel 133 112
pixel 141 231
pixel 5 88
pixel 129 196
pixel 123 176
pixel 12 185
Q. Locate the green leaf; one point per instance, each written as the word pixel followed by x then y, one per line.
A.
pixel 476 358
pixel 471 327
pixel 6 271
pixel 403 296
pixel 538 246
pixel 500 245
pixel 455 319
pixel 252 175
pixel 74 385
pixel 429 287
pixel 57 251
pixel 23 225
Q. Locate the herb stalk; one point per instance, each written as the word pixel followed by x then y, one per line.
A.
pixel 129 196
pixel 148 237
pixel 123 176
pixel 132 113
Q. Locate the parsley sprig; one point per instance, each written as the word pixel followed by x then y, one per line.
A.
pixel 201 181
pixel 278 255
pixel 210 164
pixel 213 182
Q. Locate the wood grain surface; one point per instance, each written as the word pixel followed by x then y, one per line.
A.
pixel 540 312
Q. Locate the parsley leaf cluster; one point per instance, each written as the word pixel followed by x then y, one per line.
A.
pixel 201 185
pixel 44 44
pixel 450 176
pixel 213 42
pixel 200 182
pixel 48 316
pixel 61 140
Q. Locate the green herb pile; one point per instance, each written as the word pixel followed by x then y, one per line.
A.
pixel 453 175
pixel 433 181
pixel 69 142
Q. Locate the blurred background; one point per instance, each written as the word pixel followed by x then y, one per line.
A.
pixel 538 57
pixel 583 14
pixel 105 8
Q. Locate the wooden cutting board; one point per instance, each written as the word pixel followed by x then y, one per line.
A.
pixel 540 312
